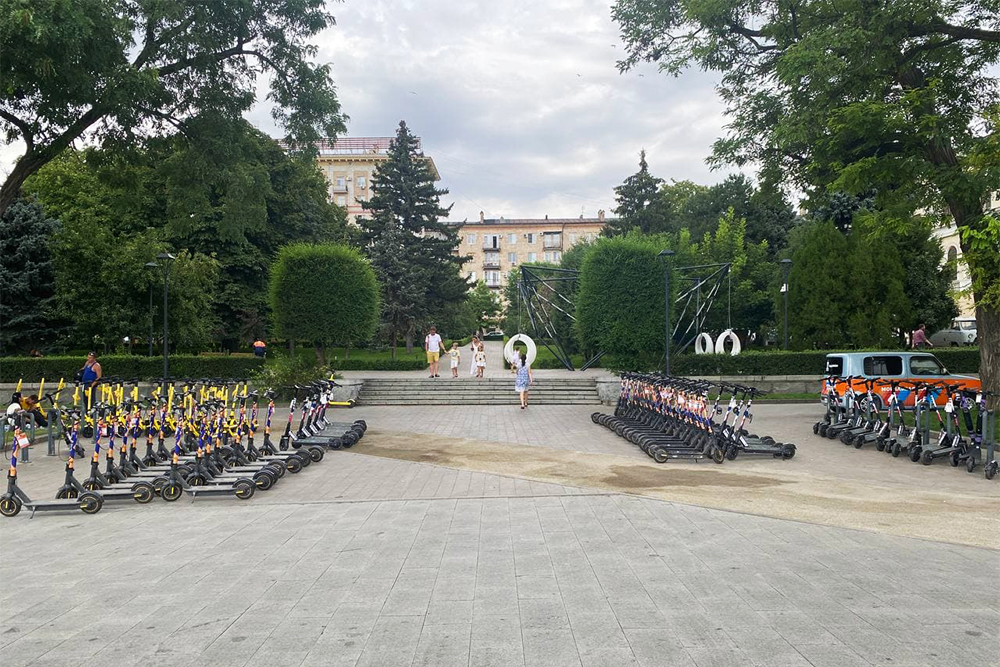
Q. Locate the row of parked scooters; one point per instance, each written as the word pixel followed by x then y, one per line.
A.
pixel 670 417
pixel 870 412
pixel 213 427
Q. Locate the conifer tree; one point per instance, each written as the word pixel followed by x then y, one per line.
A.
pixel 638 203
pixel 409 244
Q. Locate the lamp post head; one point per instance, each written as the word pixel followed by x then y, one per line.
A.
pixel 152 265
pixel 666 253
pixel 165 257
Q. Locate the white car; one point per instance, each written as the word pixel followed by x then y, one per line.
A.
pixel 961 332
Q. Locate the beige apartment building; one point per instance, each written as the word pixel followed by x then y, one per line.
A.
pixel 951 244
pixel 348 164
pixel 499 245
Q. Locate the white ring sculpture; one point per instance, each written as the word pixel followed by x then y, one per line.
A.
pixel 703 344
pixel 508 349
pixel 720 344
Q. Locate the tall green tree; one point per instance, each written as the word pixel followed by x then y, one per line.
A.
pixel 637 203
pixel 27 280
pixel 116 72
pixel 892 98
pixel 411 247
pixel 323 293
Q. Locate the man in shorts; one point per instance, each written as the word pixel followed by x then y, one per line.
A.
pixel 432 346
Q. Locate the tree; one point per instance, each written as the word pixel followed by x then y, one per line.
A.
pixel 27 281
pixel 118 72
pixel 484 305
pixel 638 203
pixel 411 248
pixel 323 293
pixel 617 274
pixel 895 99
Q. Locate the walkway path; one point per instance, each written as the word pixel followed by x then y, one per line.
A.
pixel 368 560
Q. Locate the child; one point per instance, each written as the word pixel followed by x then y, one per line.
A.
pixel 524 378
pixel 456 358
pixel 481 361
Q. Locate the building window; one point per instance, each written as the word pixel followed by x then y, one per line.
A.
pixel 492 278
pixel 471 239
pixel 491 240
pixel 512 258
pixel 531 238
pixel 532 257
pixel 512 238
pixel 341 183
pixel 552 240
pixel 491 258
pixel 341 200
pixel 553 257
pixel 360 181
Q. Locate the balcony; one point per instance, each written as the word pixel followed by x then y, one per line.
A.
pixel 491 263
pixel 552 241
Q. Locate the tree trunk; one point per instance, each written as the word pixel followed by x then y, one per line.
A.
pixel 291 346
pixel 409 342
pixel 988 334
pixel 347 351
pixel 320 353
pixel 11 188
pixel 394 346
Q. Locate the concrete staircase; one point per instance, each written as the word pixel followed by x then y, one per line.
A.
pixel 446 390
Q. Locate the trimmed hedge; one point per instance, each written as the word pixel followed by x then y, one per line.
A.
pixel 956 360
pixel 128 367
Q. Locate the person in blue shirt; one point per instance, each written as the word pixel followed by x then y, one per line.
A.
pixel 90 375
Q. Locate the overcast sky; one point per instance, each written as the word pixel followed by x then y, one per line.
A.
pixel 519 103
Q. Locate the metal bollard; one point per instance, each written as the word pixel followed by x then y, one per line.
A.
pixel 53 421
pixel 24 455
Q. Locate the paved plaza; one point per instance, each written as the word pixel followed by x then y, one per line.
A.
pixel 403 552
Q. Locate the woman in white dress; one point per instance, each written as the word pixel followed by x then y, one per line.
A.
pixel 472 357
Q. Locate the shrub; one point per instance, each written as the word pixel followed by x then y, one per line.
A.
pixel 128 367
pixel 324 293
pixel 619 305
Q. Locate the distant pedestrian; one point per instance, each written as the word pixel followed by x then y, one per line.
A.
pixel 481 361
pixel 432 346
pixel 90 376
pixel 523 378
pixel 919 338
pixel 472 355
pixel 456 359
pixel 259 348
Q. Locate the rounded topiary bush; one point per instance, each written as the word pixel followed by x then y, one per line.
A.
pixel 619 305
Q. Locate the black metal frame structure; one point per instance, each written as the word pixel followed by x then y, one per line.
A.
pixel 540 289
pixel 702 275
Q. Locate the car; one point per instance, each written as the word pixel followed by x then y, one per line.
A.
pixel 961 332
pixel 904 366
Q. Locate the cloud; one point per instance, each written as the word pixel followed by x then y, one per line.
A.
pixel 519 103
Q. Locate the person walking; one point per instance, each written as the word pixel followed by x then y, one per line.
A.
pixel 90 375
pixel 523 378
pixel 432 346
pixel 472 356
pixel 919 338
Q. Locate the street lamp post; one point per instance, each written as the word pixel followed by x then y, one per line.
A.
pixel 786 266
pixel 665 256
pixel 165 259
pixel 151 265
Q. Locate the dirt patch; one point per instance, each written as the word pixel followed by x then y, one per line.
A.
pixel 784 493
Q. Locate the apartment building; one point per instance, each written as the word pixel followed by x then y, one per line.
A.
pixel 951 244
pixel 499 245
pixel 348 163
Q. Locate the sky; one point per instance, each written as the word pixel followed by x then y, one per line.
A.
pixel 519 103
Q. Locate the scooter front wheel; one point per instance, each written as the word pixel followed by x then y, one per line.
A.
pixel 718 455
pixel 142 492
pixel 970 464
pixel 10 506
pixel 171 491
pixel 90 502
